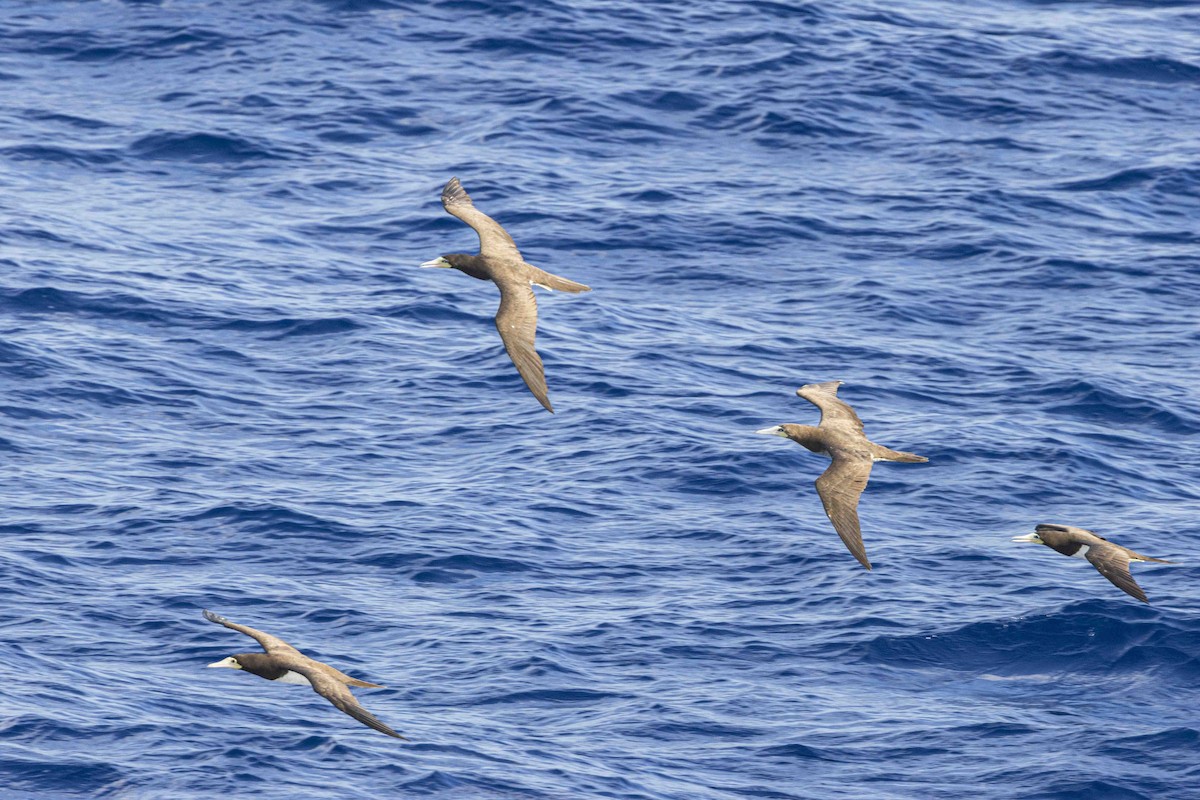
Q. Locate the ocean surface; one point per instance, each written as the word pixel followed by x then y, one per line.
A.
pixel 225 384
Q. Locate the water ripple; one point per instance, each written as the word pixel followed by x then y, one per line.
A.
pixel 227 385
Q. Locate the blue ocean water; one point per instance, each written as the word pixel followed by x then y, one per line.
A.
pixel 226 385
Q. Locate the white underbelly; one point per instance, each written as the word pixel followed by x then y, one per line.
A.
pixel 294 677
pixel 1081 552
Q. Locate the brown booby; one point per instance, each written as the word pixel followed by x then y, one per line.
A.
pixel 501 262
pixel 840 437
pixel 1112 560
pixel 283 663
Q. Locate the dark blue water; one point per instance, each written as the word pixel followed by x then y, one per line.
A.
pixel 226 385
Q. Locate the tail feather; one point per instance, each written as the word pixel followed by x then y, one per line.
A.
pixel 887 454
pixel 548 281
pixel 338 675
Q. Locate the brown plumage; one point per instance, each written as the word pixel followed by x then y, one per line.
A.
pixel 282 662
pixel 1111 560
pixel 840 436
pixel 501 262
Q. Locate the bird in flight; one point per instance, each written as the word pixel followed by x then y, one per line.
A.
pixel 283 663
pixel 1111 560
pixel 501 262
pixel 840 437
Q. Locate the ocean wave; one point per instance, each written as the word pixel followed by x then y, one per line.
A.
pixel 1108 641
pixel 1154 70
pixel 204 147
pixel 226 385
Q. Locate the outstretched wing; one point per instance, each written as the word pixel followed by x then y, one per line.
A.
pixel 494 241
pixel 272 644
pixel 839 487
pixel 337 693
pixel 517 322
pixel 1113 563
pixel 824 396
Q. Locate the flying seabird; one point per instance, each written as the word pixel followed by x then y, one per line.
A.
pixel 840 437
pixel 284 663
pixel 501 262
pixel 1112 560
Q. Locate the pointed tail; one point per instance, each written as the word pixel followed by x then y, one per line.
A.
pixel 548 281
pixel 886 454
pixel 346 679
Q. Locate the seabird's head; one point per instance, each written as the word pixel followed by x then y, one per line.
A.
pixel 788 430
pixel 806 436
pixel 231 663
pixel 1032 538
pixel 475 266
pixel 778 430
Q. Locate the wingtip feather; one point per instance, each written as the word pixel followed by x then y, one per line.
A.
pixel 454 193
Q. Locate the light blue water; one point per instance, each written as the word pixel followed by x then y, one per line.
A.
pixel 224 384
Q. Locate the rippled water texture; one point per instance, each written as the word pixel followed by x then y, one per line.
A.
pixel 226 385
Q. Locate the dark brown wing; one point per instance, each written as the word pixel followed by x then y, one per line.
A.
pixel 272 644
pixel 494 241
pixel 1113 563
pixel 337 693
pixel 824 396
pixel 840 486
pixel 517 322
